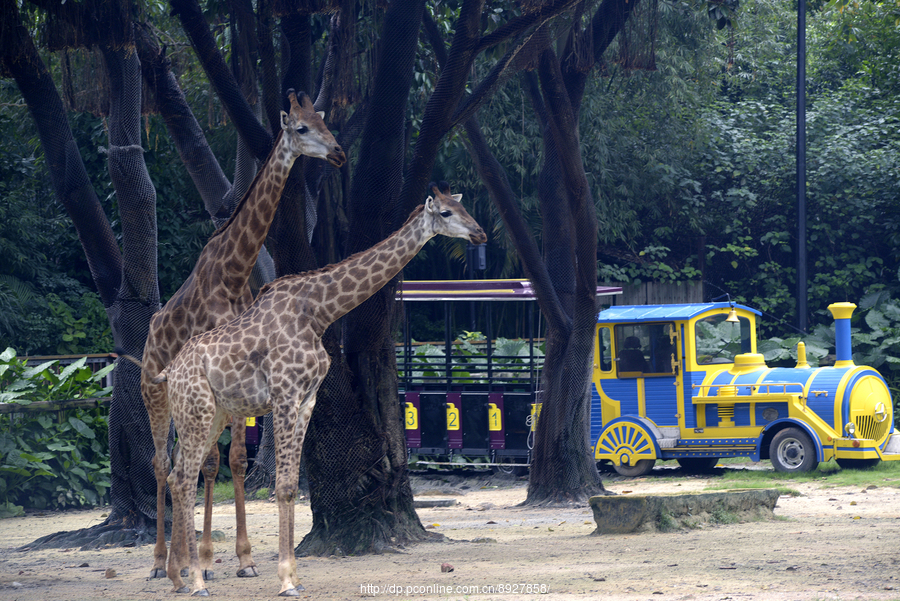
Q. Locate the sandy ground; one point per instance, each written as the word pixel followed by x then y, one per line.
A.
pixel 829 543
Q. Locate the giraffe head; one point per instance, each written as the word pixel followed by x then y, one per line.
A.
pixel 449 218
pixel 307 133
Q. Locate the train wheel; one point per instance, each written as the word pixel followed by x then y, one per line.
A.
pixel 507 467
pixel 792 450
pixel 630 448
pixel 857 464
pixel 642 467
pixel 698 465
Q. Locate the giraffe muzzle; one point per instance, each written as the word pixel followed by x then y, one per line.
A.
pixel 478 237
pixel 337 157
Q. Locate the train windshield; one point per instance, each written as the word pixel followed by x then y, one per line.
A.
pixel 718 341
pixel 645 349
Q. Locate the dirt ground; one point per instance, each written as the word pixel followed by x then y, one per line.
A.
pixel 828 543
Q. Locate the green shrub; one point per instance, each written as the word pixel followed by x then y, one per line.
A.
pixel 56 459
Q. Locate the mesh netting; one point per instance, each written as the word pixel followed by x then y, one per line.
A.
pixel 131 443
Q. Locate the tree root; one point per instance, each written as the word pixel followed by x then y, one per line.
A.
pixel 317 543
pixel 130 531
pixel 548 497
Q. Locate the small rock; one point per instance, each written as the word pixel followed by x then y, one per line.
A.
pixel 16 584
pixel 110 573
pixel 446 567
pixel 219 560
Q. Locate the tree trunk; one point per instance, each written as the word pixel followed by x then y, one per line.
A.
pixel 562 468
pixel 356 461
pixel 127 285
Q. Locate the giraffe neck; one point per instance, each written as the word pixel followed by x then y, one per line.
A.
pixel 352 281
pixel 236 244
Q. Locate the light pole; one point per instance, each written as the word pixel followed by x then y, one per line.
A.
pixel 801 166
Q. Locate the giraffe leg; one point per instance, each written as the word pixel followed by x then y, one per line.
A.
pixel 199 426
pixel 210 471
pixel 180 524
pixel 285 494
pixel 237 459
pixel 289 435
pixel 157 404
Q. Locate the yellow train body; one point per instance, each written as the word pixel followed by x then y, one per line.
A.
pixel 685 382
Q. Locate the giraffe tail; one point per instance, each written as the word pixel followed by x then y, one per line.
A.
pixel 161 377
pixel 130 358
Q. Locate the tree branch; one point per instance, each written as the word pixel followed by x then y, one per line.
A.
pixel 251 130
pixel 73 188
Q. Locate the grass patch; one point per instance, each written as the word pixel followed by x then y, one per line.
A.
pixel 723 516
pixel 731 483
pixel 886 473
pixel 222 492
pixel 665 522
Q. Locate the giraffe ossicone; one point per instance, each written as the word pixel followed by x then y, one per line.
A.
pixel 271 358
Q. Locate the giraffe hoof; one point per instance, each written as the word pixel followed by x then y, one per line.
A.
pixel 209 575
pixel 291 592
pixel 184 589
pixel 201 593
pixel 248 572
pixel 158 573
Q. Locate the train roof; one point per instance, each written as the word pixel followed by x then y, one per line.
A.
pixel 471 290
pixel 641 313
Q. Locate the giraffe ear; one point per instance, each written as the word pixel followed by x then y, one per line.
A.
pixel 284 120
pixel 321 115
pixel 429 205
pixel 456 197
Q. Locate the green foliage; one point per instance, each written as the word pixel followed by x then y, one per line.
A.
pixel 46 462
pixel 510 359
pixel 22 384
pixel 875 340
pixel 654 268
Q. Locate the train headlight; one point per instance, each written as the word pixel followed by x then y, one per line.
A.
pixel 850 428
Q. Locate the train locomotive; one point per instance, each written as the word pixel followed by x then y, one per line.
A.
pixel 685 382
pixel 670 382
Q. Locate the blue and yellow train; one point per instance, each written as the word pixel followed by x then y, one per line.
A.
pixel 681 381
pixel 685 382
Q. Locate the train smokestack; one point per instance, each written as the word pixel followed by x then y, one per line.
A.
pixel 842 346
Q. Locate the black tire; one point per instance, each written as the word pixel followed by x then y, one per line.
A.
pixel 507 467
pixel 640 468
pixel 792 451
pixel 857 464
pixel 698 465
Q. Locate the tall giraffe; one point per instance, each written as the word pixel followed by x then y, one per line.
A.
pixel 271 358
pixel 216 291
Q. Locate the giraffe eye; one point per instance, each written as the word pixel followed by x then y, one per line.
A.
pixel 302 130
pixel 446 214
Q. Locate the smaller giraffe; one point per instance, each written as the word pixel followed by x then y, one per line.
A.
pixel 271 358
